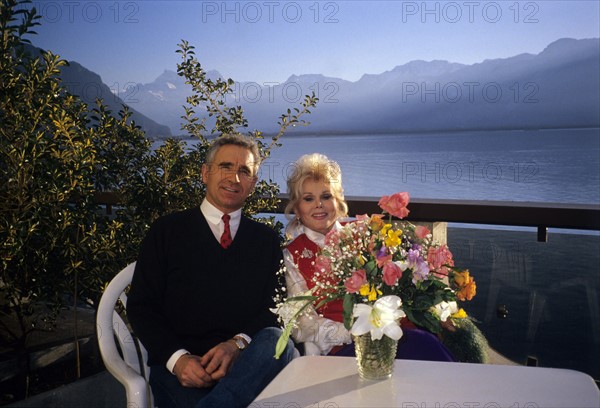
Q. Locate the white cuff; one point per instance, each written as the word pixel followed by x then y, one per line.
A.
pixel 171 362
pixel 245 337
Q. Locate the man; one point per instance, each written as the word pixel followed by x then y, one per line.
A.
pixel 202 289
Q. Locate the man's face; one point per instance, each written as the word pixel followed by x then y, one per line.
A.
pixel 229 178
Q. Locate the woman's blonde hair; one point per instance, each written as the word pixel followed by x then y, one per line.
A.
pixel 317 167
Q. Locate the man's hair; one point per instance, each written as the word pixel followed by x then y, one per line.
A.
pixel 235 139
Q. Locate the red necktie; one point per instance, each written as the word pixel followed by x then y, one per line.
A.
pixel 226 237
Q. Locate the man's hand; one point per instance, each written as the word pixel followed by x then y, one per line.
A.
pixel 218 360
pixel 191 373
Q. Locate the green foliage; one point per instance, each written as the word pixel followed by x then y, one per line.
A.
pixel 57 155
pixel 47 158
pixel 466 342
pixel 112 242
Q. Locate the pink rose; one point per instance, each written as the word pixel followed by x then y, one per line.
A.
pixel 422 231
pixel 332 238
pixel 354 282
pixel 383 259
pixel 395 204
pixel 372 243
pixel 442 272
pixel 391 273
pixel 440 257
pixel 362 217
pixel 323 264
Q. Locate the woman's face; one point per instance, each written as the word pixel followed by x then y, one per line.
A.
pixel 317 206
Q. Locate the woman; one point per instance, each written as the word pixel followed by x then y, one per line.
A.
pixel 316 206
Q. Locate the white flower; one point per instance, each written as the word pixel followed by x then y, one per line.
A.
pixel 445 309
pixel 287 310
pixel 381 318
pixel 403 265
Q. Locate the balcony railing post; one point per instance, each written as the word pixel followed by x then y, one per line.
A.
pixel 542 234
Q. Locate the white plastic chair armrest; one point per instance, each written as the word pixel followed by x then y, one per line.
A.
pixel 311 349
pixel 134 383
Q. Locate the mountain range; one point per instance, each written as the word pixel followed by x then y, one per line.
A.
pixel 89 86
pixel 557 88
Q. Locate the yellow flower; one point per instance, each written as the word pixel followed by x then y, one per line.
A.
pixel 371 292
pixel 374 293
pixel 385 229
pixel 461 314
pixel 393 238
pixel 364 289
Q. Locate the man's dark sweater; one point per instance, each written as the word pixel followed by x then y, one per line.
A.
pixel 190 293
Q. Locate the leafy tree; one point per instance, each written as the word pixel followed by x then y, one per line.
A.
pixel 56 247
pixel 57 155
pixel 47 159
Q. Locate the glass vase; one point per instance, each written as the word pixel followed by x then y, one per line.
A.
pixel 375 358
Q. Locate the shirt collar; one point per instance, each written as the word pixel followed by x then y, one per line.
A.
pixel 213 214
pixel 317 237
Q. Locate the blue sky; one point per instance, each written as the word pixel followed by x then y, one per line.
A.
pixel 267 41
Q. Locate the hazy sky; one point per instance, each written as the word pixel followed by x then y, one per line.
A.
pixel 267 41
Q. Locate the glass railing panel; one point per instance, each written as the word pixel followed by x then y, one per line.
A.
pixel 535 300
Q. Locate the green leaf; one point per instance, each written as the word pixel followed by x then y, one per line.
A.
pixel 282 342
pixel 371 268
pixel 348 310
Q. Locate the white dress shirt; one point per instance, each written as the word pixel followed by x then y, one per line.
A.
pixel 213 217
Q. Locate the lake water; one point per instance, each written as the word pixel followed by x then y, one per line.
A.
pixel 560 166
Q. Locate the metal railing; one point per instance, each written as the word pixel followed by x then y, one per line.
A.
pixel 527 214
pixel 509 213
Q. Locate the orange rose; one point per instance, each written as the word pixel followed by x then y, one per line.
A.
pixel 376 222
pixel 462 278
pixel 466 285
pixel 467 292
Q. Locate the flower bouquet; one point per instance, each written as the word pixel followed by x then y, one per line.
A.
pixel 383 272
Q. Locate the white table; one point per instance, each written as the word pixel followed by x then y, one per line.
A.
pixel 333 382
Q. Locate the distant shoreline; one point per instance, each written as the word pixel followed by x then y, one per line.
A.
pixel 390 132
